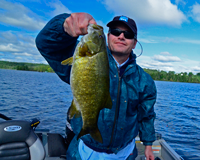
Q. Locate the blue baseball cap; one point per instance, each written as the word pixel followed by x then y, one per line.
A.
pixel 126 20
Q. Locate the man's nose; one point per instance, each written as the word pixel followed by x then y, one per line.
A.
pixel 121 36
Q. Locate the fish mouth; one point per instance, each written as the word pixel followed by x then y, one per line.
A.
pixel 95 26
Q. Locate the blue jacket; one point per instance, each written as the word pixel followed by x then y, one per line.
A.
pixel 133 93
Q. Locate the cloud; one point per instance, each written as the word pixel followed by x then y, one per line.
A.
pixel 185 65
pixel 19 47
pixel 18 58
pixel 165 53
pixel 196 68
pixel 16 42
pixel 144 40
pixel 196 12
pixel 148 11
pixel 58 8
pixel 6 59
pixel 150 63
pixel 170 40
pixel 192 41
pixel 8 48
pixel 22 54
pixel 15 14
pixel 182 2
pixel 166 58
pixel 176 40
pixel 160 64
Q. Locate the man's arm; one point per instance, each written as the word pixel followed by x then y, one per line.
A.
pixel 55 45
pixel 146 114
pixel 146 117
pixel 58 39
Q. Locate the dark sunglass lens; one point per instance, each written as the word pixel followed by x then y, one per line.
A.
pixel 115 32
pixel 128 35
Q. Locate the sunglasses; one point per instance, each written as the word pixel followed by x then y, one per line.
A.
pixel 117 32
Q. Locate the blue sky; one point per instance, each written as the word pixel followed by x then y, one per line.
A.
pixel 167 29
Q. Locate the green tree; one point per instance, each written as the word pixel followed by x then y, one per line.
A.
pixel 23 67
pixel 190 74
pixel 171 75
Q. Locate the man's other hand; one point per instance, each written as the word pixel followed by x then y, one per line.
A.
pixel 149 153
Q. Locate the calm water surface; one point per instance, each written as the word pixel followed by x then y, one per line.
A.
pixel 27 95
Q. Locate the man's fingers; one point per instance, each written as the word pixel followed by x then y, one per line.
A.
pixel 92 21
pixel 149 157
pixel 68 27
pixel 77 24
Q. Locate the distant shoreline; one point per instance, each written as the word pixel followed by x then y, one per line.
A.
pixel 155 74
pixel 26 66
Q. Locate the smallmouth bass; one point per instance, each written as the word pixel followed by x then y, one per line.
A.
pixel 89 81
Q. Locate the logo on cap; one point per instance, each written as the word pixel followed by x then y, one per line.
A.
pixel 123 18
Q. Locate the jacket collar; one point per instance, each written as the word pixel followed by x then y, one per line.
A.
pixel 130 64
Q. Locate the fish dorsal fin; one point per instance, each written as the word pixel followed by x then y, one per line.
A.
pixel 68 61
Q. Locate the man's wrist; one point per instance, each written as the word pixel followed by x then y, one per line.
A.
pixel 148 147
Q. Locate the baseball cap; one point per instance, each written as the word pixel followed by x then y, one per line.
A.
pixel 126 20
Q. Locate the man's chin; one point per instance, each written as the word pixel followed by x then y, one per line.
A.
pixel 119 52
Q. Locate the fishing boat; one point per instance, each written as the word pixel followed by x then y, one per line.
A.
pixel 20 140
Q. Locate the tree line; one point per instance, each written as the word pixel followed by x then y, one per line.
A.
pixel 25 66
pixel 155 74
pixel 174 77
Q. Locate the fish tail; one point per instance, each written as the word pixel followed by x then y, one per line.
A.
pixel 96 135
pixel 82 133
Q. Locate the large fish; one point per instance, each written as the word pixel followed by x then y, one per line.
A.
pixel 89 81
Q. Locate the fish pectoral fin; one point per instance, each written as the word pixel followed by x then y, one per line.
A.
pixel 108 102
pixel 73 111
pixel 68 61
pixel 95 134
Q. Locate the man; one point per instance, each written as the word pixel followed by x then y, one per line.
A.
pixel 132 90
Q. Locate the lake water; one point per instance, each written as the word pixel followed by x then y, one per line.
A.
pixel 27 95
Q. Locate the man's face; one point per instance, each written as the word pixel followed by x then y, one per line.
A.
pixel 119 44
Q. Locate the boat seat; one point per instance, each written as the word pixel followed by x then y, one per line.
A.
pixel 18 141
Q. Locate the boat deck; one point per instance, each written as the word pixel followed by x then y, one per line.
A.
pixel 161 150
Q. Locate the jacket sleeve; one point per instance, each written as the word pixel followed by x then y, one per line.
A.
pixel 146 114
pixel 55 45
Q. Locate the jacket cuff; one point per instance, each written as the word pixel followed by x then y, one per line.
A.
pixel 148 143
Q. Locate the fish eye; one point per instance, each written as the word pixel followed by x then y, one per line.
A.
pixel 100 36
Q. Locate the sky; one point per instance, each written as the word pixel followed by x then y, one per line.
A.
pixel 168 30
